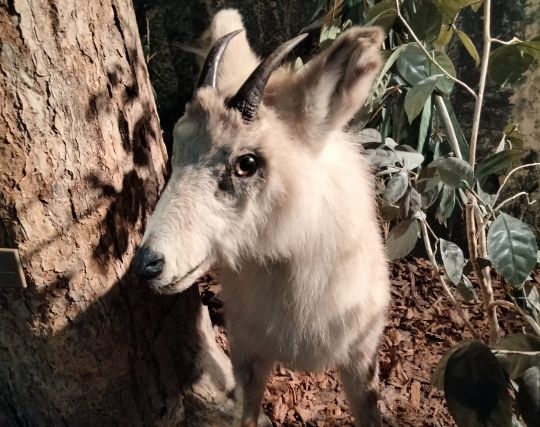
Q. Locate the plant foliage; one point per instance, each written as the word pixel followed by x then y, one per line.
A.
pixel 413 139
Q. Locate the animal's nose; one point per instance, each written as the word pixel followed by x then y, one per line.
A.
pixel 147 263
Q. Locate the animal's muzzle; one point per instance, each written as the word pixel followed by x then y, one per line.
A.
pixel 148 264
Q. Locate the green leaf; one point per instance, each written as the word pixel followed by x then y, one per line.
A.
pixel 528 395
pixel 450 8
pixel 410 158
pixel 426 22
pixel 468 44
pixel 368 135
pixel 477 5
pixel 437 377
pixel 508 64
pixel 418 95
pixel 354 10
pixel 454 171
pixel 380 7
pixel 445 85
pixel 429 197
pixel 466 289
pixel 445 35
pixel 446 203
pixel 435 147
pixel 379 154
pixel 475 388
pixel 453 260
pixel 531 48
pixel 425 122
pixel 389 62
pixel 388 212
pixel 519 342
pixel 486 197
pixel 512 248
pixel 402 239
pixel 411 64
pixel 410 203
pixel 390 142
pixel 383 14
pixel 396 187
pixel 428 180
pixel 512 137
pixel 516 360
pixel 329 33
pixel 496 163
pixel 533 301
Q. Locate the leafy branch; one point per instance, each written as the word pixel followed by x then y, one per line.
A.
pixel 443 178
pixel 420 44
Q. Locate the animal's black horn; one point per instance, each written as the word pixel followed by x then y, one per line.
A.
pixel 211 64
pixel 249 96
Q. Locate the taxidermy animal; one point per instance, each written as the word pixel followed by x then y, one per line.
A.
pixel 268 188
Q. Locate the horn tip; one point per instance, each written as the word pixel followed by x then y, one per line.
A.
pixel 210 68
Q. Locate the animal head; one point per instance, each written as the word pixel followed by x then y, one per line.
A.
pixel 246 154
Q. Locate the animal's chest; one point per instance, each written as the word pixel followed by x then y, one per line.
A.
pixel 268 312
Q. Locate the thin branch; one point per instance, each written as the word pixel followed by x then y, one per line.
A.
pixel 508 43
pixel 417 40
pixel 484 277
pixel 479 200
pixel 502 303
pixel 477 241
pixel 481 221
pixel 452 138
pixel 471 229
pixel 515 196
pixel 455 303
pixel 432 233
pixel 526 353
pixel 510 174
pixel 482 84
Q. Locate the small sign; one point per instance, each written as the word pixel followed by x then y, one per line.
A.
pixel 11 272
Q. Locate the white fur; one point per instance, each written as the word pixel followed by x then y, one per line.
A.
pixel 300 254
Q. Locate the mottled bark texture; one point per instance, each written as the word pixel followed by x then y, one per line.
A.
pixel 82 162
pixel 168 25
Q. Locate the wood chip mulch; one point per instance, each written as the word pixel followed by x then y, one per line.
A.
pixel 421 326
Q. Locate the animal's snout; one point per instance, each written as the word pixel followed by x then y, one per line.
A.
pixel 148 264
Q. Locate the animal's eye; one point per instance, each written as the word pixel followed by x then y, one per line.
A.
pixel 245 166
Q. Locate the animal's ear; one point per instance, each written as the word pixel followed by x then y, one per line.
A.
pixel 333 86
pixel 238 60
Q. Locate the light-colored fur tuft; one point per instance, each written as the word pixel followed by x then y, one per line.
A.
pixel 238 60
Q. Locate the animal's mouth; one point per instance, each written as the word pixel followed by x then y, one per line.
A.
pixel 179 284
pixel 176 280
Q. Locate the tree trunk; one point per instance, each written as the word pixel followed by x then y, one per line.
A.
pixel 82 163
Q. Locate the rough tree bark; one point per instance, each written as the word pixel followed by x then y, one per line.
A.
pixel 82 162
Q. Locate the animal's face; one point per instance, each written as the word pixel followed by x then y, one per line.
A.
pixel 221 192
pixel 236 159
